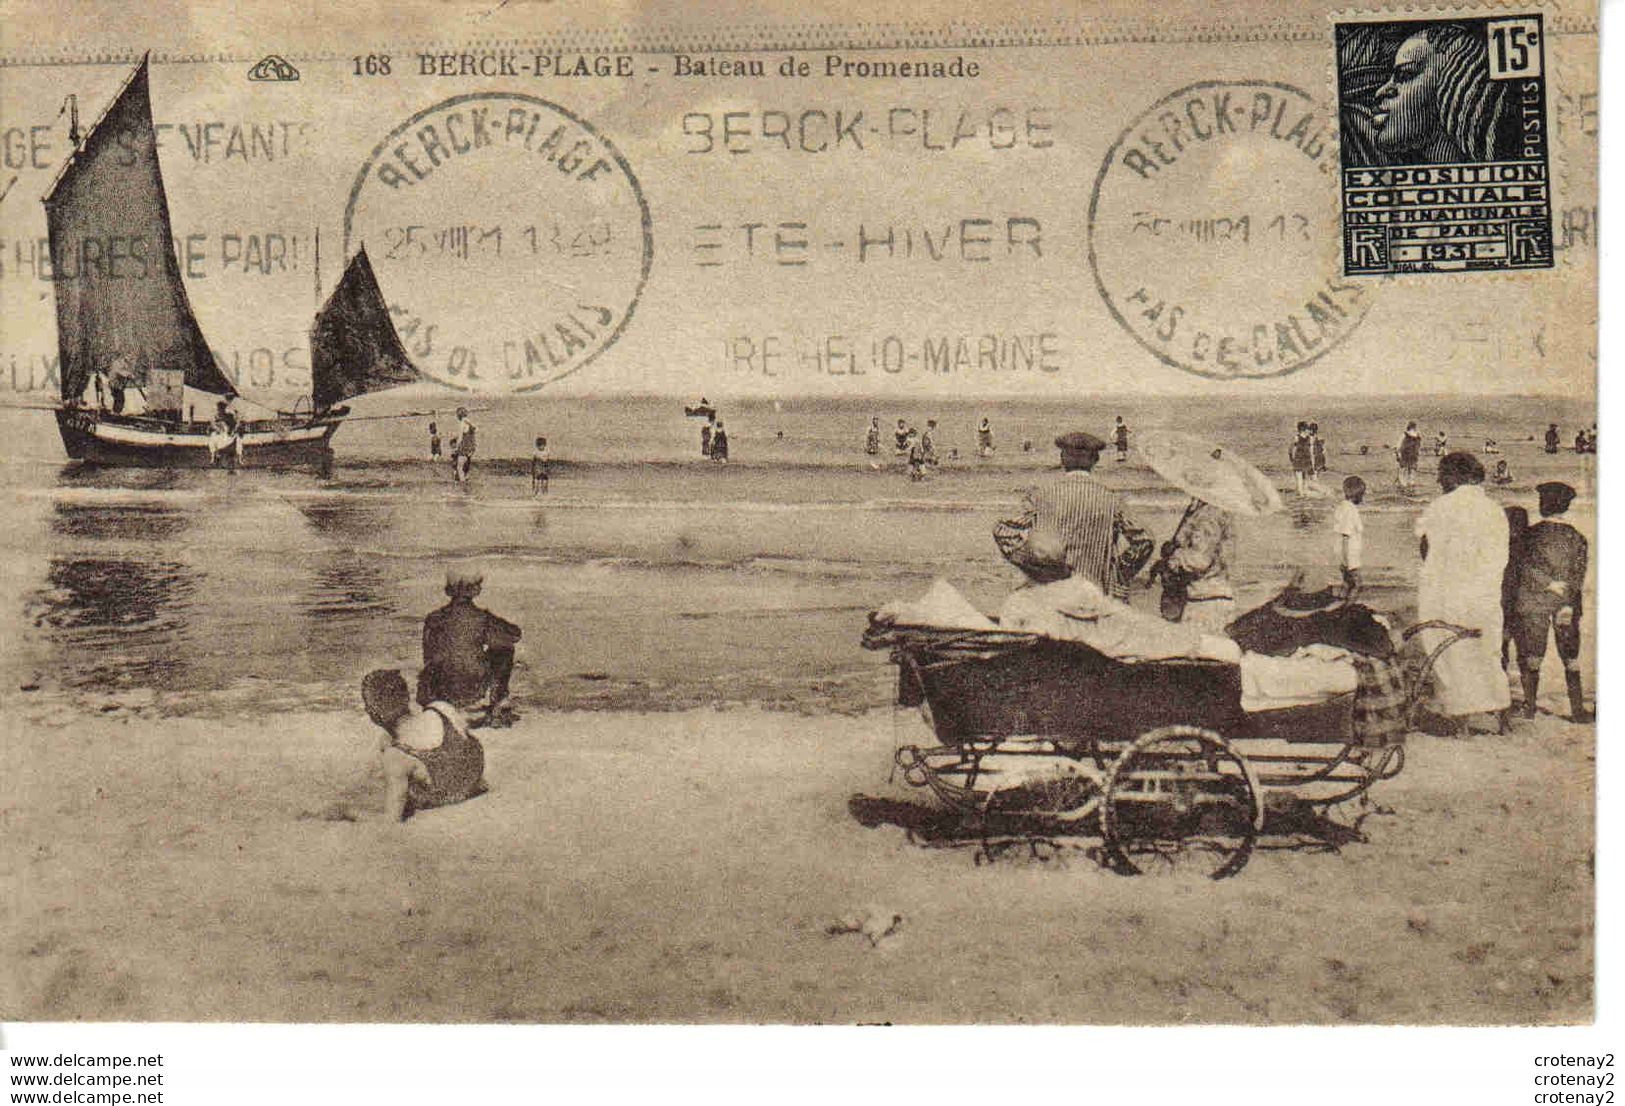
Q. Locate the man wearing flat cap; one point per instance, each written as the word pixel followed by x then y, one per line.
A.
pixel 1073 525
pixel 1550 584
pixel 467 651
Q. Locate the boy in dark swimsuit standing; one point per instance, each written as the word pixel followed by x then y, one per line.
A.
pixel 1551 581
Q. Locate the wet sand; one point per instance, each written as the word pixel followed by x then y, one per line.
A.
pixel 687 866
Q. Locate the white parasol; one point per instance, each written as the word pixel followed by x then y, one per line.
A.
pixel 1209 472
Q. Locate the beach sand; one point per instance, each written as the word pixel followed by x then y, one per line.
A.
pixel 687 866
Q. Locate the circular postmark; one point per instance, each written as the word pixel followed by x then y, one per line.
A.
pixel 510 239
pixel 1214 231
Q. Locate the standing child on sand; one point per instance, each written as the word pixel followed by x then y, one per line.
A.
pixel 719 445
pixel 538 468
pixel 1350 531
pixel 871 441
pixel 1551 584
pixel 1120 439
pixel 434 441
pixel 984 437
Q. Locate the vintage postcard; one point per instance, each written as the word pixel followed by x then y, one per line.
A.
pixel 524 512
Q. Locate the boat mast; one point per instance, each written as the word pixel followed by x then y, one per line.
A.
pixel 310 331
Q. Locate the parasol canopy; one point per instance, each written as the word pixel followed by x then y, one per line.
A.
pixel 1209 472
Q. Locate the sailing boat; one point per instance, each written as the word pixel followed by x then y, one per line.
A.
pixel 354 348
pixel 124 320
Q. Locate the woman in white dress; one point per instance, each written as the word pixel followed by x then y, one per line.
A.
pixel 1464 554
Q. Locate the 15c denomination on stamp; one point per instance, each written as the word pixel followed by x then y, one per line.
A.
pixel 1444 145
pixel 511 239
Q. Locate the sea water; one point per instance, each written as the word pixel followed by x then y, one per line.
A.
pixel 644 576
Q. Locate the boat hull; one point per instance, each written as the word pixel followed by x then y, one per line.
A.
pixel 100 438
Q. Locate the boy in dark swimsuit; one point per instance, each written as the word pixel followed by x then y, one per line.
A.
pixel 1551 580
pixel 1301 454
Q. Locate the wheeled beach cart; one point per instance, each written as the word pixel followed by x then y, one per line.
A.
pixel 1157 757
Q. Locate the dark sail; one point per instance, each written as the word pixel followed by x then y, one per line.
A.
pixel 120 305
pixel 353 346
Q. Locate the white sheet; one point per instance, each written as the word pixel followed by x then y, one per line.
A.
pixel 1312 675
pixel 1075 609
pixel 941 608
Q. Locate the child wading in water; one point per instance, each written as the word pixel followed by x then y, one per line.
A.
pixel 1350 531
pixel 1302 456
pixel 462 450
pixel 917 456
pixel 1410 454
pixel 538 468
pixel 429 759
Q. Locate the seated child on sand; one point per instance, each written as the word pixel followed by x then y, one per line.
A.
pixel 429 758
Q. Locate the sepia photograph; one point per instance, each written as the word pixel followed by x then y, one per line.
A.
pixel 530 514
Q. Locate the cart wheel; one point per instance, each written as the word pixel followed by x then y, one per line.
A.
pixel 1181 797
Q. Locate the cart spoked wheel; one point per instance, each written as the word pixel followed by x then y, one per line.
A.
pixel 1180 798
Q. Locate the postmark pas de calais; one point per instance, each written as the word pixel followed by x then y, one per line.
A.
pixel 1444 145
pixel 510 238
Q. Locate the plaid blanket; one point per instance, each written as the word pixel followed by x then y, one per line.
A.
pixel 1379 703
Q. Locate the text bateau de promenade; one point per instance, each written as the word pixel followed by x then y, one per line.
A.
pixel 832 65
pixel 446 135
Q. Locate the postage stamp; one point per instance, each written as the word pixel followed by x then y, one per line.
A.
pixel 1445 150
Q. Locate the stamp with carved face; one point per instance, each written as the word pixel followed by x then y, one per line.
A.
pixel 1444 145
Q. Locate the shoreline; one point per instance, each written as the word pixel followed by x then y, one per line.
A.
pixel 686 866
